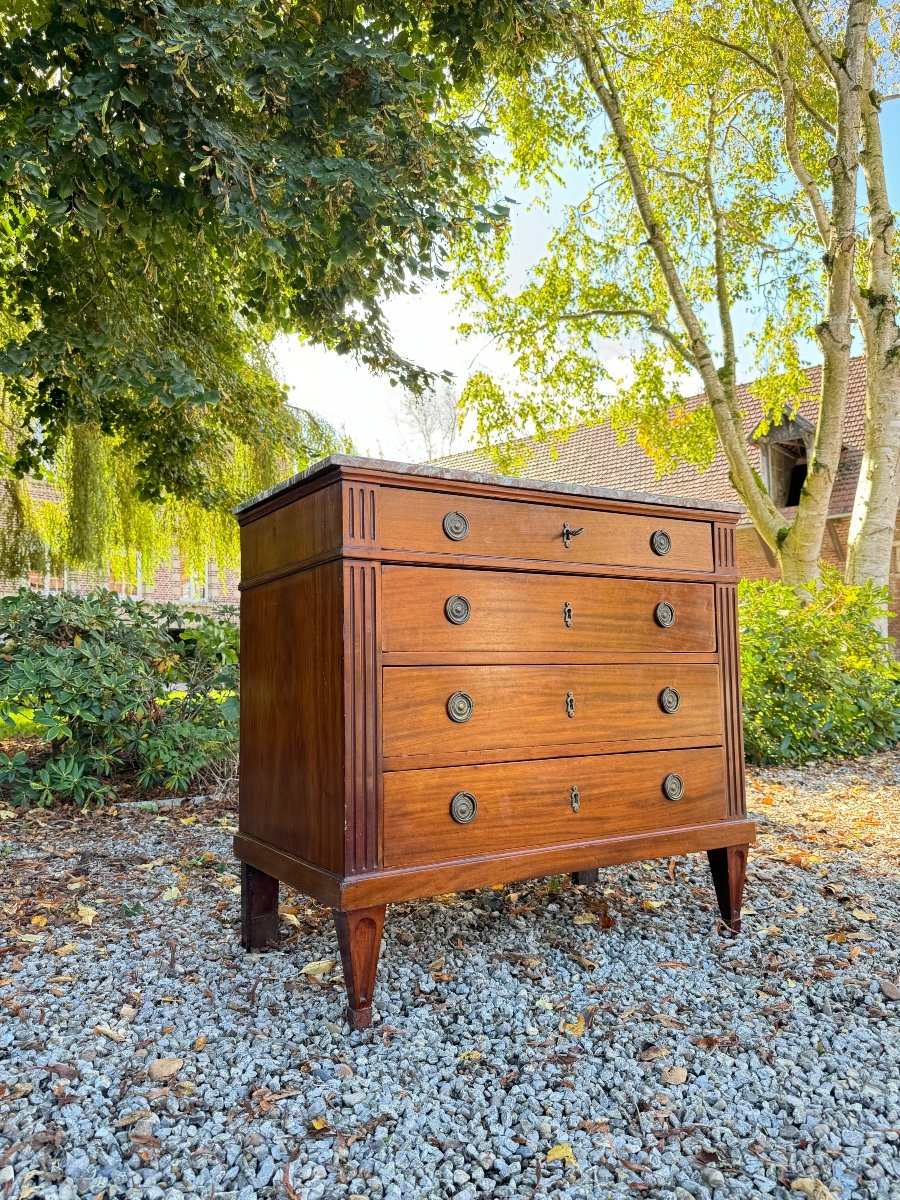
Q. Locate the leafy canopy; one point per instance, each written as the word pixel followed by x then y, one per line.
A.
pixel 180 181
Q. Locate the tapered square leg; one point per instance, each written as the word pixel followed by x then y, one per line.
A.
pixel 729 868
pixel 359 937
pixel 585 877
pixel 259 908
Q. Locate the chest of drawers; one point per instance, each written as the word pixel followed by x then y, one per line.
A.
pixel 452 680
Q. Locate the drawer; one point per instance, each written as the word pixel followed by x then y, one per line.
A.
pixel 468 812
pixel 434 610
pixel 442 523
pixel 452 710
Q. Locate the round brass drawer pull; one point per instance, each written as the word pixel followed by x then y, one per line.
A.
pixel 660 542
pixel 664 615
pixel 460 707
pixel 457 610
pixel 456 526
pixel 463 808
pixel 669 700
pixel 673 786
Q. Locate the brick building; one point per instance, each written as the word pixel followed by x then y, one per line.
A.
pixel 594 455
pixel 170 581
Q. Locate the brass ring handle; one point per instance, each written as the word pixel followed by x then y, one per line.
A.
pixel 460 707
pixel 664 615
pixel 660 542
pixel 568 534
pixel 463 808
pixel 673 786
pixel 669 700
pixel 457 610
pixel 456 526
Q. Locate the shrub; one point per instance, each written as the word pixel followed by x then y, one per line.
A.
pixel 819 680
pixel 114 686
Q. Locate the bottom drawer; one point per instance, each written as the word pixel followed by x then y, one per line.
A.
pixel 435 815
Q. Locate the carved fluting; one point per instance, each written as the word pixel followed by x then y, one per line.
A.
pixel 727 638
pixel 724 547
pixel 360 514
pixel 363 655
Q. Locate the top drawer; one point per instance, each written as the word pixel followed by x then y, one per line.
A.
pixel 443 523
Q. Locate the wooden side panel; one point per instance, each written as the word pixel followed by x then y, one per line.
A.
pixel 516 612
pixel 362 651
pixel 292 688
pixel 288 536
pixel 544 707
pixel 516 529
pixel 723 537
pixel 729 658
pixel 361 506
pixel 526 805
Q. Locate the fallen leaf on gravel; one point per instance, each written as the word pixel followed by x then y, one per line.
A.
pixel 674 1075
pixel 132 1118
pixel 171 893
pixel 890 989
pixel 675 966
pixel 319 1123
pixel 164 1068
pixel 127 1012
pixel 86 914
pixel 39 921
pixel 544 1003
pixel 654 903
pixel 650 1052
pixel 562 1152
pixel 812 1187
pixel 585 919
pixel 318 969
pixel 199 1042
pixel 470 1055
pixel 587 963
pixel 861 915
pixel 108 1032
pixel 68 948
pixel 575 1028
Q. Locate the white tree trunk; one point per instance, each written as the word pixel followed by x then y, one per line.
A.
pixel 874 520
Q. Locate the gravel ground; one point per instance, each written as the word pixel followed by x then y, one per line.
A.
pixel 534 1040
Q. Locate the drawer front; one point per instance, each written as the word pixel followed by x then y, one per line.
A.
pixel 434 710
pixel 428 815
pixel 428 609
pixel 441 523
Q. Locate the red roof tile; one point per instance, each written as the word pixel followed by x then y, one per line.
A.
pixel 594 455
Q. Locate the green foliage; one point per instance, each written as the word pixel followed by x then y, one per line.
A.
pixel 819 681
pixel 114 686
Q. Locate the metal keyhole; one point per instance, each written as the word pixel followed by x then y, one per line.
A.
pixel 570 704
pixel 575 797
pixel 568 533
pixel 567 614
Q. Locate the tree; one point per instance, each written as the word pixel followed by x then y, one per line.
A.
pixel 181 180
pixel 728 159
pixel 433 416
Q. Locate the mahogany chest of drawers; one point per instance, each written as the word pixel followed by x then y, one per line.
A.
pixel 452 680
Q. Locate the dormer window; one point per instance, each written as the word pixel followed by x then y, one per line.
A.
pixel 784 452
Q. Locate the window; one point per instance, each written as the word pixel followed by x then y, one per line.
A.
pixel 783 459
pixel 192 589
pixel 47 582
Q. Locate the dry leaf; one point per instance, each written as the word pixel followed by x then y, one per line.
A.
pixel 39 921
pixel 108 1032
pixel 562 1152
pixel 164 1068
pixel 675 966
pixel 587 918
pixel 470 1055
pixel 171 893
pixel 318 969
pixel 199 1042
pixel 68 948
pixel 319 1123
pixel 654 903
pixel 812 1187
pixel 650 1052
pixel 890 989
pixel 132 1118
pixel 861 915
pixel 86 914
pixel 674 1075
pixel 574 1028
pixel 127 1012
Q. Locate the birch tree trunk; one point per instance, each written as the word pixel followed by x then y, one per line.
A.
pixel 874 519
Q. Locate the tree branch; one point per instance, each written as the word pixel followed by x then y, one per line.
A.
pixel 804 177
pixel 721 264
pixel 654 323
pixel 817 42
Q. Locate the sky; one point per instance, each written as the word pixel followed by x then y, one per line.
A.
pixel 368 409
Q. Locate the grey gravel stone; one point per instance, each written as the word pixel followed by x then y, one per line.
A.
pixel 463 1086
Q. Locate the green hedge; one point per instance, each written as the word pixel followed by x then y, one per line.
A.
pixel 819 680
pixel 118 690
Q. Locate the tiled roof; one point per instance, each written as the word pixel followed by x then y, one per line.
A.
pixel 594 455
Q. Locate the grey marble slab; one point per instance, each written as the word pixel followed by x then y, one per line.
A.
pixel 513 482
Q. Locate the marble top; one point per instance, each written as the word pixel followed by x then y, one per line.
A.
pixel 513 482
